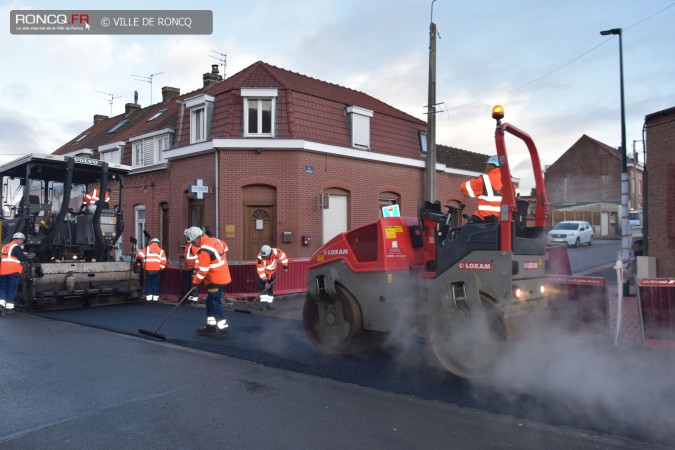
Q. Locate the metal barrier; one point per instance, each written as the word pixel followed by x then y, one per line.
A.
pixel 580 304
pixel 656 300
pixel 244 279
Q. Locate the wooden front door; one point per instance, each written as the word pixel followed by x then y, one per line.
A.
pixel 260 224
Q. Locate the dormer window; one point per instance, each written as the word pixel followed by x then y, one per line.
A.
pixel 259 112
pixel 201 111
pixel 359 126
pixel 148 150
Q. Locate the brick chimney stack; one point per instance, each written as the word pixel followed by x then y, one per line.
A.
pixel 99 118
pixel 213 77
pixel 169 93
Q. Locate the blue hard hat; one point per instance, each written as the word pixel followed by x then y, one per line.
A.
pixel 493 160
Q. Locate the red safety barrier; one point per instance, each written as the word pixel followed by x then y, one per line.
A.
pixel 579 304
pixel 558 260
pixel 244 279
pixel 656 298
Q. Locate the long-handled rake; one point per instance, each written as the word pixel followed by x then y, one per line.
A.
pixel 248 306
pixel 160 336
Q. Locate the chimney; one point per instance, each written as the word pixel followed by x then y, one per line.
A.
pixel 169 92
pixel 99 118
pixel 130 107
pixel 213 77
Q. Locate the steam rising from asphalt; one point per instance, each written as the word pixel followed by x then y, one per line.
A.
pixel 581 377
pixel 560 369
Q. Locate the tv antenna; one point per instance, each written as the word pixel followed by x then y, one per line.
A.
pixel 222 57
pixel 109 100
pixel 147 79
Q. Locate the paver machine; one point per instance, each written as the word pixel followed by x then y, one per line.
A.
pixel 463 288
pixel 71 261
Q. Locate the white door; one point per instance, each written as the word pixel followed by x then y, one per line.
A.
pixel 604 224
pixel 334 217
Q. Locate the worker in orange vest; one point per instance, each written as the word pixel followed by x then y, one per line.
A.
pixel 214 272
pixel 11 268
pixel 190 256
pixel 488 189
pixel 266 265
pixel 153 261
pixel 91 199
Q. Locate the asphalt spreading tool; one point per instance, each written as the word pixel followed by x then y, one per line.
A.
pixel 160 336
pixel 248 306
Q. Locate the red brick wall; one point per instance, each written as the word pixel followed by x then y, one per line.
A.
pixel 661 190
pixel 296 194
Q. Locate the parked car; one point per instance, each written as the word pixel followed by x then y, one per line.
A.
pixel 572 233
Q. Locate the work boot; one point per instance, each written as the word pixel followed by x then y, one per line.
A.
pixel 219 333
pixel 9 311
pixel 269 306
pixel 205 331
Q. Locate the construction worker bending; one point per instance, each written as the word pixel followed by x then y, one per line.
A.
pixel 91 199
pixel 153 261
pixel 190 257
pixel 488 189
pixel 11 268
pixel 215 273
pixel 266 264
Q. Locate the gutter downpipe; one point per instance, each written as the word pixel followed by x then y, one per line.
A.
pixel 217 189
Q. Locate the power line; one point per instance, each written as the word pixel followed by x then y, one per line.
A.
pixel 555 70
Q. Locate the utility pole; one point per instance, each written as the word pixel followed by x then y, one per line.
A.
pixel 430 194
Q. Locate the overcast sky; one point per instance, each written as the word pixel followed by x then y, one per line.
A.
pixel 544 61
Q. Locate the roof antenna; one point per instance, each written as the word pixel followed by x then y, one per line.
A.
pixel 147 79
pixel 109 100
pixel 223 60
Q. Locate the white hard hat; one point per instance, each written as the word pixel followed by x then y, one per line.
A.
pixel 154 240
pixel 265 250
pixel 193 233
pixel 19 236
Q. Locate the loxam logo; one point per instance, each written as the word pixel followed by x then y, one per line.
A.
pixel 337 251
pixel 471 265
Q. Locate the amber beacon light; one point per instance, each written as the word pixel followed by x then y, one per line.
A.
pixel 498 112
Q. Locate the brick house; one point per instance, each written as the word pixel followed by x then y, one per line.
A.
pixel 265 156
pixel 660 226
pixel 585 184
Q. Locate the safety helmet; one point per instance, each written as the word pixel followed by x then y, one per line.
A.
pixel 265 250
pixel 154 240
pixel 193 233
pixel 493 160
pixel 19 236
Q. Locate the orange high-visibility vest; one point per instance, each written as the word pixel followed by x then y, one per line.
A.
pixel 266 266
pixel 213 268
pixel 92 198
pixel 191 255
pixel 10 264
pixel 153 258
pixel 488 189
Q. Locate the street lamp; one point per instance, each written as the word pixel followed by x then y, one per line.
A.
pixel 626 237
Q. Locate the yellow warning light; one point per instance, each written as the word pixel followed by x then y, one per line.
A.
pixel 498 112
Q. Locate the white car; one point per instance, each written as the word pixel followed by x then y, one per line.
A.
pixel 572 233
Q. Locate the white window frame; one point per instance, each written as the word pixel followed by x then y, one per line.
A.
pixel 255 97
pixel 111 153
pixel 201 112
pixel 150 146
pixel 140 225
pixel 359 126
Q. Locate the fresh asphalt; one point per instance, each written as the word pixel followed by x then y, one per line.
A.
pixel 85 378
